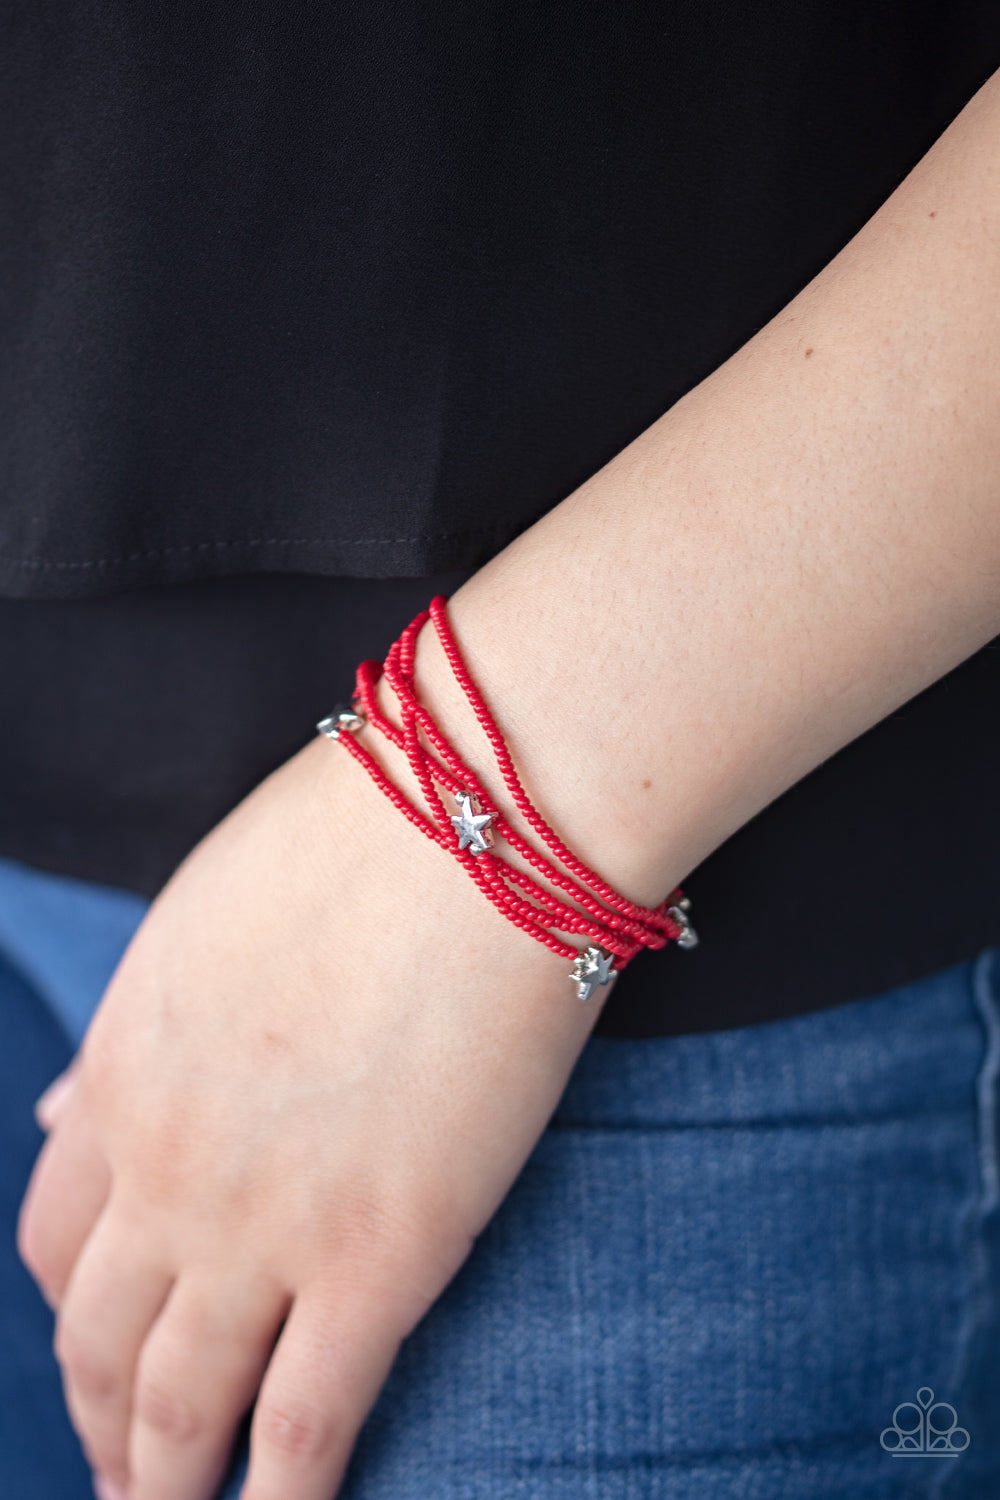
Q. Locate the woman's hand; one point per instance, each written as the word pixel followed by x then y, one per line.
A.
pixel 319 1068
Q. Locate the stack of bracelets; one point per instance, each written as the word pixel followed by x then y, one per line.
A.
pixel 615 928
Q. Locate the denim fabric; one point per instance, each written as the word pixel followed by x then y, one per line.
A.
pixel 65 937
pixel 730 1258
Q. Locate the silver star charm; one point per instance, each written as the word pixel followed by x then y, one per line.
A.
pixel 342 718
pixel 471 825
pixel 593 967
pixel 687 937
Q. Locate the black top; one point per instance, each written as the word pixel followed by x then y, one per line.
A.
pixel 359 291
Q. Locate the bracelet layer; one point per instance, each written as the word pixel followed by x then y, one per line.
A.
pixel 616 928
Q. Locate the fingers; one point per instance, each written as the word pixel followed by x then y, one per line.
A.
pixel 198 1373
pixel 68 1189
pixel 112 1299
pixel 328 1367
pixel 159 1372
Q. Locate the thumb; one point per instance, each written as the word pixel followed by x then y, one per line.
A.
pixel 50 1105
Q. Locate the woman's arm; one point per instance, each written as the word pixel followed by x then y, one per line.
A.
pixel 325 1057
pixel 806 540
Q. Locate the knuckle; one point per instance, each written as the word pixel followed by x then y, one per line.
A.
pixel 37 1253
pixel 405 1253
pixel 92 1378
pixel 165 1411
pixel 380 1229
pixel 294 1428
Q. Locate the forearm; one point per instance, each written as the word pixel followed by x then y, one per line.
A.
pixel 806 540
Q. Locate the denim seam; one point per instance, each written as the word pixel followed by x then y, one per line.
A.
pixel 985 1000
pixel 984 995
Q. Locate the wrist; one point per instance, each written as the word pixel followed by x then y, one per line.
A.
pixel 580 784
pixel 402 883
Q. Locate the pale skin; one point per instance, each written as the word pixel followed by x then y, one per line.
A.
pixel 325 1058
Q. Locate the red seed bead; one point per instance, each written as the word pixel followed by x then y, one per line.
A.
pixel 620 926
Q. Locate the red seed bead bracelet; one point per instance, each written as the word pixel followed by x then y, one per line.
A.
pixel 616 928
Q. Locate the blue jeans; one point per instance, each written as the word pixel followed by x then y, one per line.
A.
pixel 730 1259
